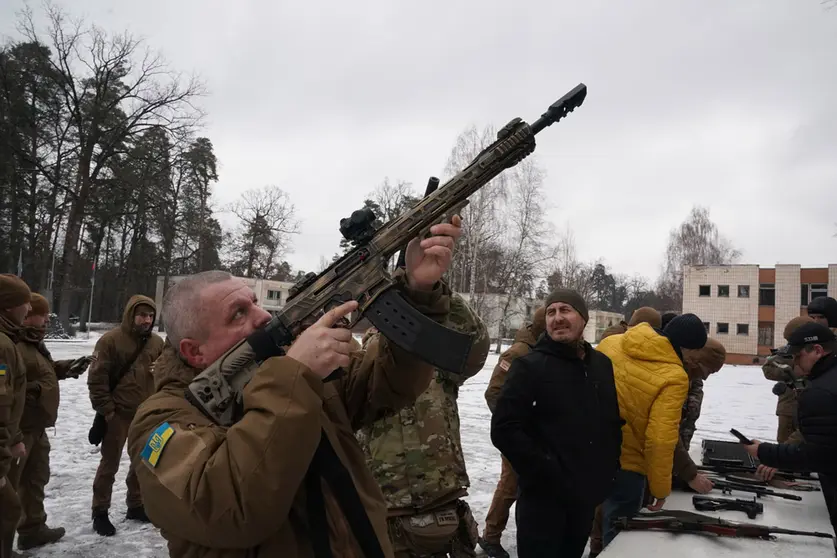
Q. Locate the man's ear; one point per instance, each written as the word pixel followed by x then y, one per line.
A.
pixel 190 349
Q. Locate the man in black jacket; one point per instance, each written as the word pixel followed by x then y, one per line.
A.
pixel 814 347
pixel 557 422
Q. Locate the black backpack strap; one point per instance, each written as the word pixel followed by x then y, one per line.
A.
pixel 114 379
pixel 326 465
pixel 317 521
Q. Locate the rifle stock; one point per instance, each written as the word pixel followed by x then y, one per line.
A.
pixel 679 521
pixel 360 275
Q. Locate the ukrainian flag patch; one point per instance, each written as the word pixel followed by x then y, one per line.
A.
pixel 3 369
pixel 156 443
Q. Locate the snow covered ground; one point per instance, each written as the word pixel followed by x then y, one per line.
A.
pixel 738 396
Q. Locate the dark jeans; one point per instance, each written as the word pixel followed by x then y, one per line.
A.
pixel 550 528
pixel 624 501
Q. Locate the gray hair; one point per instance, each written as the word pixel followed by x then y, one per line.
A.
pixel 182 305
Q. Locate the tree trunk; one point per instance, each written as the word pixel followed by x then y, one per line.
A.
pixel 71 239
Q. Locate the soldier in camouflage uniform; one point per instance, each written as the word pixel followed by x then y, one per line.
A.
pixel 780 368
pixel 416 457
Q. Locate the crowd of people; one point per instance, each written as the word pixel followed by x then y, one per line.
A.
pixel 371 463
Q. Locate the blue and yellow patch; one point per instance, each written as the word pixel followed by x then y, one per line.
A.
pixel 156 443
pixel 3 369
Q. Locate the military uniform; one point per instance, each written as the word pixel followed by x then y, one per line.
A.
pixel 258 488
pixel 416 457
pixel 13 293
pixel 31 473
pixel 112 353
pixel 779 368
pixel 505 494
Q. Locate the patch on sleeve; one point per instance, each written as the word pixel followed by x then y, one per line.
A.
pixel 505 365
pixel 3 369
pixel 156 444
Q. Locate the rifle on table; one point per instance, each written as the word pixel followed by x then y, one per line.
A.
pixel 708 503
pixel 750 479
pixel 360 275
pixel 729 469
pixel 727 487
pixel 679 521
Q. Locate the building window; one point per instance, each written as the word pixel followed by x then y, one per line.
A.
pixel 723 290
pixel 767 295
pixel 706 325
pixel 274 295
pixel 743 291
pixel 743 329
pixel 722 328
pixel 704 290
pixel 766 335
pixel 810 291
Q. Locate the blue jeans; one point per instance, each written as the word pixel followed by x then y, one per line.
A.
pixel 624 501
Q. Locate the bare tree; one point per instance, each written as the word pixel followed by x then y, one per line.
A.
pixel 266 224
pixel 393 198
pixel 524 251
pixel 696 241
pixel 480 226
pixel 111 93
pixel 567 271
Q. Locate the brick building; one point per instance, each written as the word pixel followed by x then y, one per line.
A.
pixel 746 307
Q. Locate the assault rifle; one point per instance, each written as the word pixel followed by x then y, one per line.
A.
pixel 720 469
pixel 708 503
pixel 679 521
pixel 727 487
pixel 360 275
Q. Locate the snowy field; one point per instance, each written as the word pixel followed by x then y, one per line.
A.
pixel 738 396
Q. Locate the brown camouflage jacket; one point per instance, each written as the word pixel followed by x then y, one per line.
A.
pixel 416 454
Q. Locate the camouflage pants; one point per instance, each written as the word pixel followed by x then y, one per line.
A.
pixel 450 530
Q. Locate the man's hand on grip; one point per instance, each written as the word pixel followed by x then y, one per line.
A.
pixel 322 347
pixel 428 259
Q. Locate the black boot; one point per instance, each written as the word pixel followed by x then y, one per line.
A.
pixel 102 524
pixel 494 550
pixel 44 535
pixel 137 514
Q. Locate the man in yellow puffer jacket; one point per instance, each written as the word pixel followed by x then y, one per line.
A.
pixel 651 385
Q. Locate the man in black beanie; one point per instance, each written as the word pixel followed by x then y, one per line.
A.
pixel 823 310
pixel 557 422
pixel 652 386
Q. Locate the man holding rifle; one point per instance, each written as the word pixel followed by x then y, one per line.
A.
pixel 814 348
pixel 289 478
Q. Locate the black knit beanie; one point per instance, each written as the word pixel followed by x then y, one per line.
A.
pixel 686 332
pixel 666 318
pixel 826 306
pixel 571 297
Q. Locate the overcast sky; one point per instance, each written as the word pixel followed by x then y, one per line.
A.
pixel 724 103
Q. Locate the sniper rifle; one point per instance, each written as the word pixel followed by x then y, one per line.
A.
pixel 679 521
pixel 708 503
pixel 360 275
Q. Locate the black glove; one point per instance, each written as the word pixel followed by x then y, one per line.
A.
pixel 79 367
